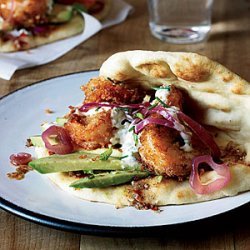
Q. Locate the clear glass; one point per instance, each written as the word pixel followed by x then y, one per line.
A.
pixel 180 21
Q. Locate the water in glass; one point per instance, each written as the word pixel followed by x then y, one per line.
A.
pixel 180 21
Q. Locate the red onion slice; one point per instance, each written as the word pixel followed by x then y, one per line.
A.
pixel 221 169
pixel 20 159
pixel 202 133
pixel 64 145
pixel 39 30
pixel 166 113
pixel 139 126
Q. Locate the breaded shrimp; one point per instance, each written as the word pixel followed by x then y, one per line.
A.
pixel 103 90
pixel 175 98
pixel 161 153
pixel 95 131
pixel 160 148
pixel 24 13
pixel 90 132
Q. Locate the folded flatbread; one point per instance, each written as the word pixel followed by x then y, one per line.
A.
pixel 57 32
pixel 221 101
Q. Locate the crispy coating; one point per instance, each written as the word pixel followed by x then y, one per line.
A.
pixel 161 153
pixel 24 13
pixel 103 90
pixel 160 149
pixel 175 97
pixel 95 131
pixel 90 132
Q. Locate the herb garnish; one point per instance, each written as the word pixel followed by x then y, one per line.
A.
pixel 153 106
pixel 131 129
pixel 136 138
pixel 159 88
pixel 106 154
pixel 139 115
pixel 161 102
pixel 120 158
pixel 79 7
pixel 123 109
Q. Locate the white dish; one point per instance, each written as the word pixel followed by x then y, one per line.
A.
pixel 37 199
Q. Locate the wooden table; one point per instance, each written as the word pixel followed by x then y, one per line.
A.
pixel 229 44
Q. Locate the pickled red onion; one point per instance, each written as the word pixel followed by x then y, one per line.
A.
pixel 219 183
pixel 139 126
pixel 170 120
pixel 20 158
pixel 202 134
pixel 64 145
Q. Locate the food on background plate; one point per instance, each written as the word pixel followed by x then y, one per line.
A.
pixel 97 8
pixel 29 23
pixel 155 128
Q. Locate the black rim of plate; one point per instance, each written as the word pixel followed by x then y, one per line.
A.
pixel 106 230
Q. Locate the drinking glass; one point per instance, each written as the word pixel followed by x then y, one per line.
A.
pixel 180 21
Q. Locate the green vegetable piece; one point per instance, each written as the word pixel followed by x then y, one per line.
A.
pixel 162 87
pixel 79 7
pixel 105 155
pixel 60 121
pixel 109 179
pixel 37 141
pixel 61 14
pixel 139 115
pixel 161 102
pixel 74 162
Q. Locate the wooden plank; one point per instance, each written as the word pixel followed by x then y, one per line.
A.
pixel 242 230
pixel 16 233
pixel 168 242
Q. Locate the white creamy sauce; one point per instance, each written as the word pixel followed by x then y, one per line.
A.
pixel 162 94
pixel 92 111
pixel 50 6
pixel 17 33
pixel 117 116
pixel 187 147
pixel 128 147
pixel 46 125
pixel 41 152
pixel 124 137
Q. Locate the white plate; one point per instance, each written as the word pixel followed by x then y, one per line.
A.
pixel 35 198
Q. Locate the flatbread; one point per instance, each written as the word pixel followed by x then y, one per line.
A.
pixel 222 101
pixel 156 191
pixel 221 97
pixel 59 32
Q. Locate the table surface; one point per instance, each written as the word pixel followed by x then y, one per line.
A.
pixel 228 44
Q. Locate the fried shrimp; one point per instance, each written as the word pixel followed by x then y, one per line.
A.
pixel 160 148
pixel 161 153
pixel 24 13
pixel 103 90
pixel 92 131
pixel 96 130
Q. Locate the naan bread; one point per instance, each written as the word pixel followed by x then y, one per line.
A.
pixel 221 100
pixel 159 192
pixel 62 31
